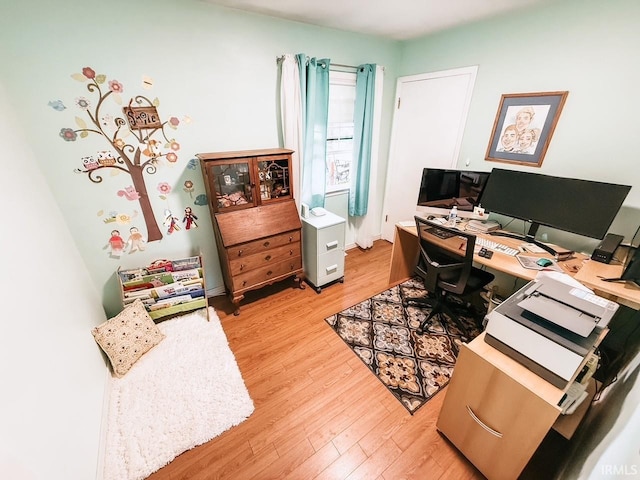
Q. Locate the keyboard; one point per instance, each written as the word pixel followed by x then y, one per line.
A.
pixel 438 232
pixel 495 246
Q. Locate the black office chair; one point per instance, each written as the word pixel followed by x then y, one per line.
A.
pixel 446 266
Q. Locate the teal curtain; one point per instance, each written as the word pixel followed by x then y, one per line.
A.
pixel 363 128
pixel 314 88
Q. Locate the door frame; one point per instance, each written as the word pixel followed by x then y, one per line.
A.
pixel 389 230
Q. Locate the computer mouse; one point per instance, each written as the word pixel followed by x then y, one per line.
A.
pixel 544 262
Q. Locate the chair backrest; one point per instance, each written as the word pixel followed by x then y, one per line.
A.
pixel 444 263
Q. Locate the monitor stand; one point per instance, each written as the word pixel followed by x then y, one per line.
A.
pixel 531 238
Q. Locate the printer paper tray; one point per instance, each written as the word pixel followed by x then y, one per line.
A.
pixel 560 314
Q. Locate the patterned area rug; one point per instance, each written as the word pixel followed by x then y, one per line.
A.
pixel 383 333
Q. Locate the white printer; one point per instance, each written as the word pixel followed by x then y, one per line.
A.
pixel 550 327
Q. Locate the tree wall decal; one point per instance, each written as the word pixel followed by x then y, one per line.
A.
pixel 136 138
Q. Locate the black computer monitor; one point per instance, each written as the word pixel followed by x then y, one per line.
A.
pixel 583 207
pixel 441 189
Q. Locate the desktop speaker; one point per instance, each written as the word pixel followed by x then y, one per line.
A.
pixel 604 252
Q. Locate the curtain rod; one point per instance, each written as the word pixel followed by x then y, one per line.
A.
pixel 339 65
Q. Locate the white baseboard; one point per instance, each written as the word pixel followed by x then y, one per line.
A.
pixel 355 245
pixel 215 292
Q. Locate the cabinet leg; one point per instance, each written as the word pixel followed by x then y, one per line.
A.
pixel 236 302
pixel 300 281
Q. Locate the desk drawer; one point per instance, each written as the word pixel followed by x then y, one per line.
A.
pixel 496 422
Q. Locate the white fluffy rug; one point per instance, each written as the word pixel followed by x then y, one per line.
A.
pixel 182 393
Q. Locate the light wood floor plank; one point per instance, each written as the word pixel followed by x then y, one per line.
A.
pixel 344 465
pixel 376 463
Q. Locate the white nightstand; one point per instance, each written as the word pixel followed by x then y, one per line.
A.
pixel 323 249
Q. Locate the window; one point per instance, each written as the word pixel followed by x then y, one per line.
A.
pixel 342 99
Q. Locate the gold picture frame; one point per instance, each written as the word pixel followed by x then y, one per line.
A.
pixel 523 127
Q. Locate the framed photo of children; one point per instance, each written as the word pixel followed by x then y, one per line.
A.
pixel 524 126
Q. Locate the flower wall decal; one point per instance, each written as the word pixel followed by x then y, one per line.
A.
pixel 136 141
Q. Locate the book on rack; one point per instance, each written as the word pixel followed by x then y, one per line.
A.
pixel 186 264
pixel 170 302
pixel 182 275
pixel 148 281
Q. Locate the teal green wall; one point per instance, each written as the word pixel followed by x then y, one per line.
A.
pixel 217 66
pixel 587 47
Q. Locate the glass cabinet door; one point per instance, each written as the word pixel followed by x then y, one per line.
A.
pixel 232 184
pixel 274 178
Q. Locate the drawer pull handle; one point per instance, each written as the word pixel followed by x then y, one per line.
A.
pixel 244 284
pixel 269 273
pixel 332 268
pixel 266 244
pixel 267 258
pixel 290 252
pixel 290 239
pixel 239 253
pixel 331 245
pixel 479 422
pixel 242 266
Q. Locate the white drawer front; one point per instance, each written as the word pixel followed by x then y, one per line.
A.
pixel 330 267
pixel 331 239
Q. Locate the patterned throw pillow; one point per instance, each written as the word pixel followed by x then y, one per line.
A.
pixel 127 336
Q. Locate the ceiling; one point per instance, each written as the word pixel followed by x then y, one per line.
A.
pixel 396 20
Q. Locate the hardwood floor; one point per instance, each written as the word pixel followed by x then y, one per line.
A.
pixel 319 412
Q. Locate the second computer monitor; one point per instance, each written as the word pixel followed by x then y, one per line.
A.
pixel 441 189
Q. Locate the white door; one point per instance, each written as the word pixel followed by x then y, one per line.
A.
pixel 431 111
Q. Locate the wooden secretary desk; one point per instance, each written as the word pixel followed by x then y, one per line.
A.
pixel 255 220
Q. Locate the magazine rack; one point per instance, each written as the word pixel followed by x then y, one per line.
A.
pixel 166 287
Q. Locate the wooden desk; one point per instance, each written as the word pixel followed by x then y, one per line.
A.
pixel 496 411
pixel 404 257
pixel 591 275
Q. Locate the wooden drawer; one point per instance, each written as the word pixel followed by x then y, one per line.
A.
pixel 246 263
pixel 263 245
pixel 495 421
pixel 267 273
